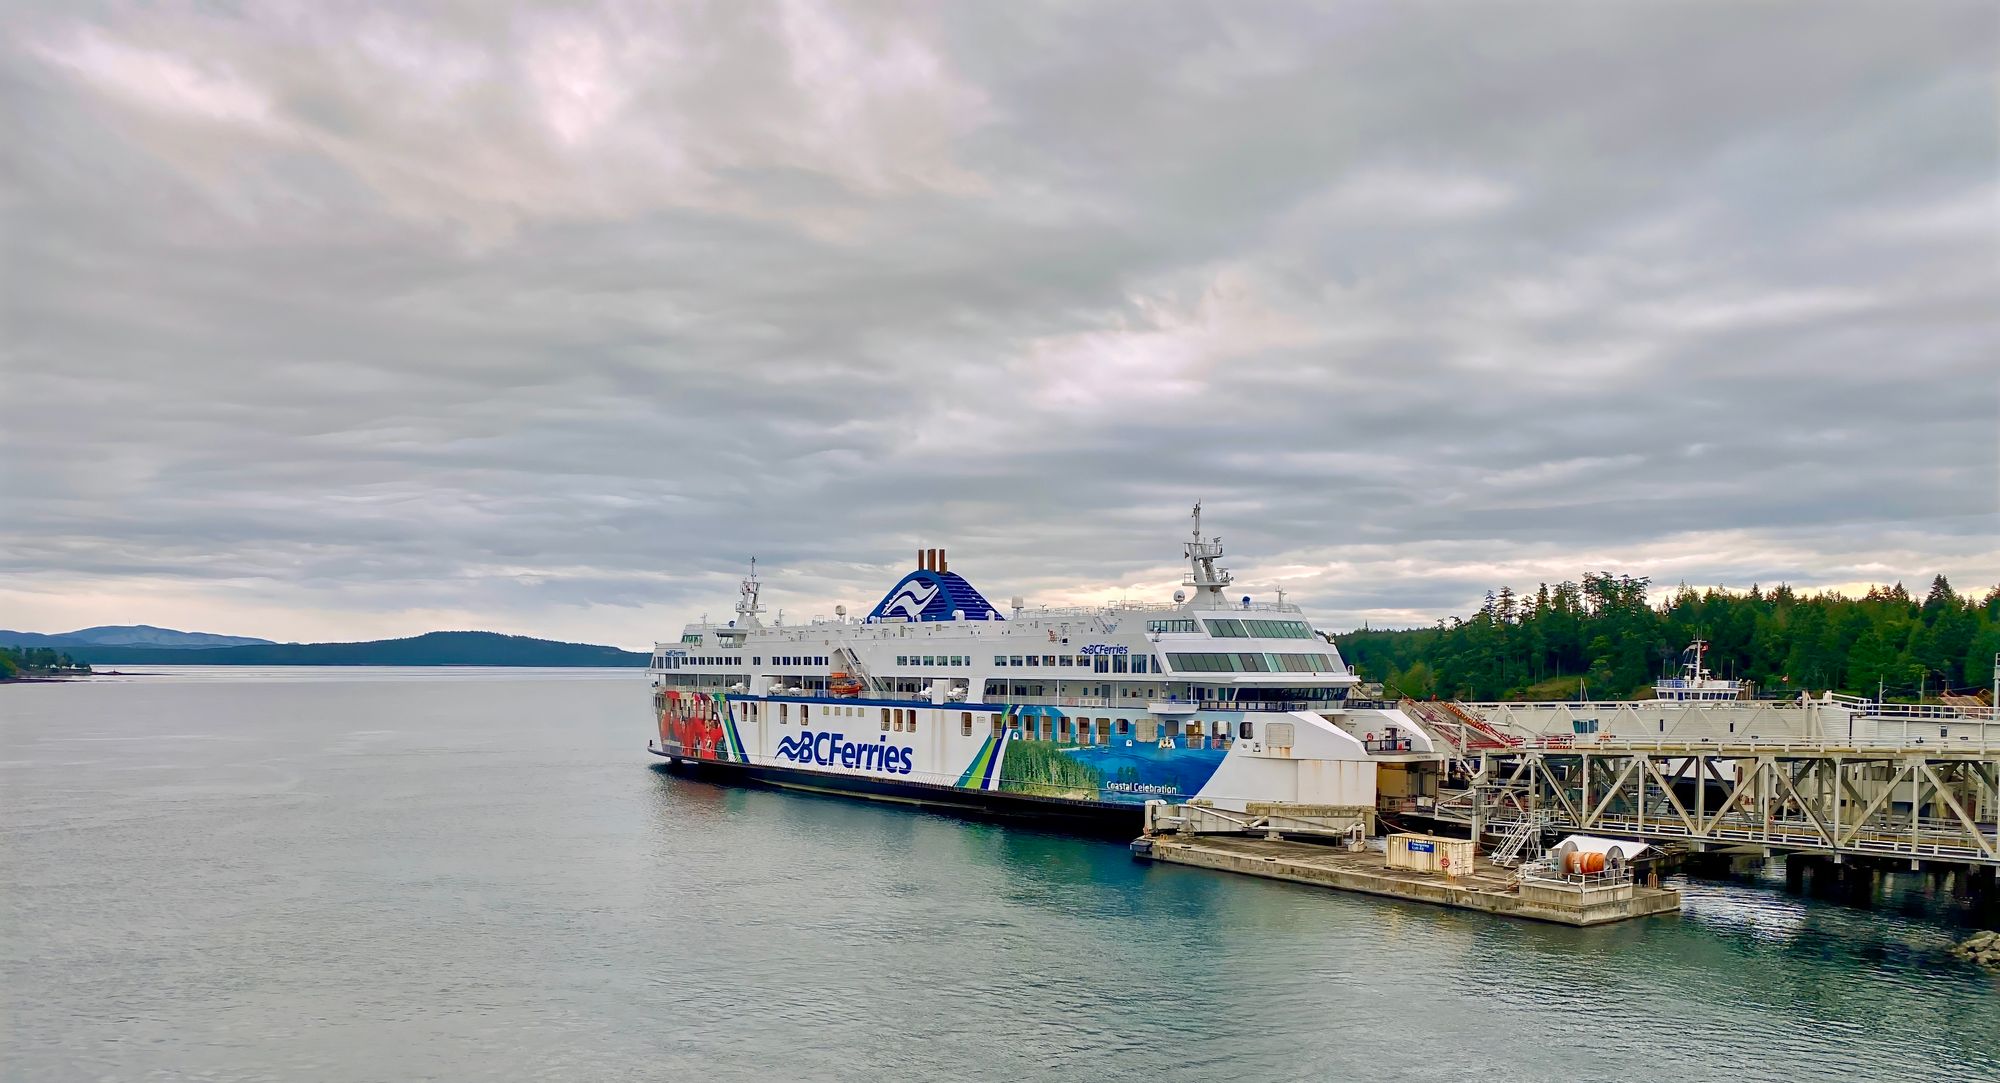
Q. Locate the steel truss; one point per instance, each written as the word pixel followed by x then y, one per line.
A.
pixel 1923 805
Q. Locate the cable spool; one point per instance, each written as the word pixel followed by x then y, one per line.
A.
pixel 1580 863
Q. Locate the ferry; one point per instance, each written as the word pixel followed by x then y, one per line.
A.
pixel 937 697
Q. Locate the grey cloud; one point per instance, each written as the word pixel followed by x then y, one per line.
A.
pixel 552 317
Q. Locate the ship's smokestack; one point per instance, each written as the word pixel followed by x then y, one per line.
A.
pixel 920 560
pixel 942 566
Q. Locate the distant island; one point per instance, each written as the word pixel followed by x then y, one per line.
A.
pixel 144 645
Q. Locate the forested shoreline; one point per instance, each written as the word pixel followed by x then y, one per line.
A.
pixel 16 662
pixel 1604 632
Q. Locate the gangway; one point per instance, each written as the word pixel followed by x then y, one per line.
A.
pixel 1912 800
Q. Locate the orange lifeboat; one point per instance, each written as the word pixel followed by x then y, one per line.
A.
pixel 845 685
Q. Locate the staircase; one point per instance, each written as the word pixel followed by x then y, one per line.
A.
pixel 1522 842
pixel 849 660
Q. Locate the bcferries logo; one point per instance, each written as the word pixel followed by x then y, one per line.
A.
pixel 828 749
pixel 912 600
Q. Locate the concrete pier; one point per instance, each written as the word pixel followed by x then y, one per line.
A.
pixel 1488 887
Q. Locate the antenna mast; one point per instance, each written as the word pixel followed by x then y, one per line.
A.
pixel 1203 574
pixel 746 605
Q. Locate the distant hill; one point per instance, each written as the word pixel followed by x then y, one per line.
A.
pixel 126 635
pixel 430 649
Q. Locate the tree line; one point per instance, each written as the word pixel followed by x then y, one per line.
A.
pixel 36 661
pixel 1605 634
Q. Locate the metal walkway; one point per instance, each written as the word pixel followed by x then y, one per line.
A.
pixel 1901 800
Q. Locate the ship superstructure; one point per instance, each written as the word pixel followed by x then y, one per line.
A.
pixel 937 694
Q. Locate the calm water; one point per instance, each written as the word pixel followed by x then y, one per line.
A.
pixel 387 875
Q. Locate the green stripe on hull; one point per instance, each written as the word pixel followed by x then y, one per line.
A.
pixel 970 779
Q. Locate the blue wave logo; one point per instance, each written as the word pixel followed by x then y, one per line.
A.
pixel 827 749
pixel 912 600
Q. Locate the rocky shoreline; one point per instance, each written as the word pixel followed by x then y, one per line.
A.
pixel 1981 948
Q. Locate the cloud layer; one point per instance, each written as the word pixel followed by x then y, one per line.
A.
pixel 358 321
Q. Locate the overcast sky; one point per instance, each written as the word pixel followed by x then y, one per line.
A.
pixel 324 321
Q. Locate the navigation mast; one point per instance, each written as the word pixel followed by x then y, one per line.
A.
pixel 746 605
pixel 1203 574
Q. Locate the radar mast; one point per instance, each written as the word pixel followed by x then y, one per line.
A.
pixel 1203 575
pixel 746 605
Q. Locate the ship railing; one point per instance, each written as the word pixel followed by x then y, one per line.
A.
pixel 1107 609
pixel 1751 745
pixel 1279 705
pixel 1935 712
pixel 1399 744
pixel 1549 870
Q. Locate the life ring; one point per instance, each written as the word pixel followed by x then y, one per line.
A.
pixel 1444 863
pixel 1371 735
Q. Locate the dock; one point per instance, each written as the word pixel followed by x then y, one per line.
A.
pixel 1487 887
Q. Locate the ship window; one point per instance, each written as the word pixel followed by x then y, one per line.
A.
pixel 784 713
pixel 900 660
pixel 1048 659
pixel 756 660
pixel 930 659
pixel 1246 730
pixel 803 715
pixel 1227 629
pixel 885 720
pixel 1065 660
pixel 1034 659
pixel 1124 726
pixel 1016 661
pixel 1082 660
pixel 1171 626
pixel 999 659
pixel 965 724
pixel 913 721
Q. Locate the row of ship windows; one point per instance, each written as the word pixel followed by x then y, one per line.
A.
pixel 671 661
pixel 1251 663
pixel 1100 663
pixel 904 720
pixel 1062 729
pixel 894 719
pixel 1232 628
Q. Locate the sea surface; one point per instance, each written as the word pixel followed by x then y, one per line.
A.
pixel 361 874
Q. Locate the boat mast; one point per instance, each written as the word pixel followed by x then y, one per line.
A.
pixel 1203 574
pixel 746 604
